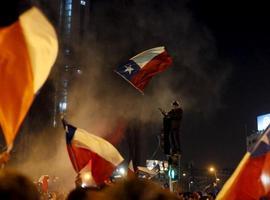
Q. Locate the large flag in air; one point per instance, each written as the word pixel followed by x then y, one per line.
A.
pixel 28 50
pixel 251 179
pixel 141 68
pixel 91 155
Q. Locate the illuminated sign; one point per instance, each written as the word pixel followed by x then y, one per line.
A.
pixel 163 164
pixel 263 121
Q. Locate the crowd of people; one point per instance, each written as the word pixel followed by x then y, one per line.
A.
pixel 14 186
pixel 196 196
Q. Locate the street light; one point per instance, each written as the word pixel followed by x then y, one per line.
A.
pixel 213 170
pixel 190 183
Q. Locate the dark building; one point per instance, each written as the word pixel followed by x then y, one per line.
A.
pixel 72 25
pixel 71 19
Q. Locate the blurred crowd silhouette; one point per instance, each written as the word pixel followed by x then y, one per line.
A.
pixel 16 186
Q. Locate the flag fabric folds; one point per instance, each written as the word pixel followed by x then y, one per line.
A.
pixel 91 155
pixel 251 179
pixel 28 50
pixel 141 68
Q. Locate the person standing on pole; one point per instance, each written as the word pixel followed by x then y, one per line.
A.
pixel 171 124
pixel 175 115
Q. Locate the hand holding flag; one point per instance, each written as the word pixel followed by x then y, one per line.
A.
pixel 4 157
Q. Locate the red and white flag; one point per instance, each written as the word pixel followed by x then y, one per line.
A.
pixel 139 69
pixel 251 179
pixel 28 51
pixel 43 180
pixel 91 156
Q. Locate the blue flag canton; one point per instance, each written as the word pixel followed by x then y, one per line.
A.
pixel 70 131
pixel 128 70
pixel 263 145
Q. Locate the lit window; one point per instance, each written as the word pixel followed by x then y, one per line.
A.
pixel 83 2
pixel 68 6
pixel 63 106
pixel 68 12
pixel 69 1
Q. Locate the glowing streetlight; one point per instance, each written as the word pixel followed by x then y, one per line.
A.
pixel 213 170
pixel 190 185
pixel 87 176
pixel 122 171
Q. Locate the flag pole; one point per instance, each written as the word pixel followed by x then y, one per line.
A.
pixel 71 150
pixel 72 154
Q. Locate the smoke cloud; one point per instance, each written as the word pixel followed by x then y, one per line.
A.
pixel 118 31
pixel 98 97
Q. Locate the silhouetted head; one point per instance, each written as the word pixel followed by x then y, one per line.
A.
pixel 14 185
pixel 175 104
pixel 89 193
pixel 139 189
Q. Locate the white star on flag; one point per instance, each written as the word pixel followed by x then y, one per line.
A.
pixel 128 69
pixel 140 69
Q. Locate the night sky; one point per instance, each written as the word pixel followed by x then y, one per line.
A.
pixel 241 33
pixel 220 74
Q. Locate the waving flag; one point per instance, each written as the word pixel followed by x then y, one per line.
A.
pixel 43 180
pixel 251 179
pixel 91 156
pixel 141 68
pixel 28 50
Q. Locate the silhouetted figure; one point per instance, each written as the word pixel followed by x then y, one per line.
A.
pixel 88 193
pixel 139 189
pixel 14 185
pixel 78 193
pixel 171 127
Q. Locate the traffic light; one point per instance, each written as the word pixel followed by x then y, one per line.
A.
pixel 172 173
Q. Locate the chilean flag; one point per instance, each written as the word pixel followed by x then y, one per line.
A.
pixel 141 68
pixel 251 179
pixel 28 49
pixel 44 179
pixel 92 157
